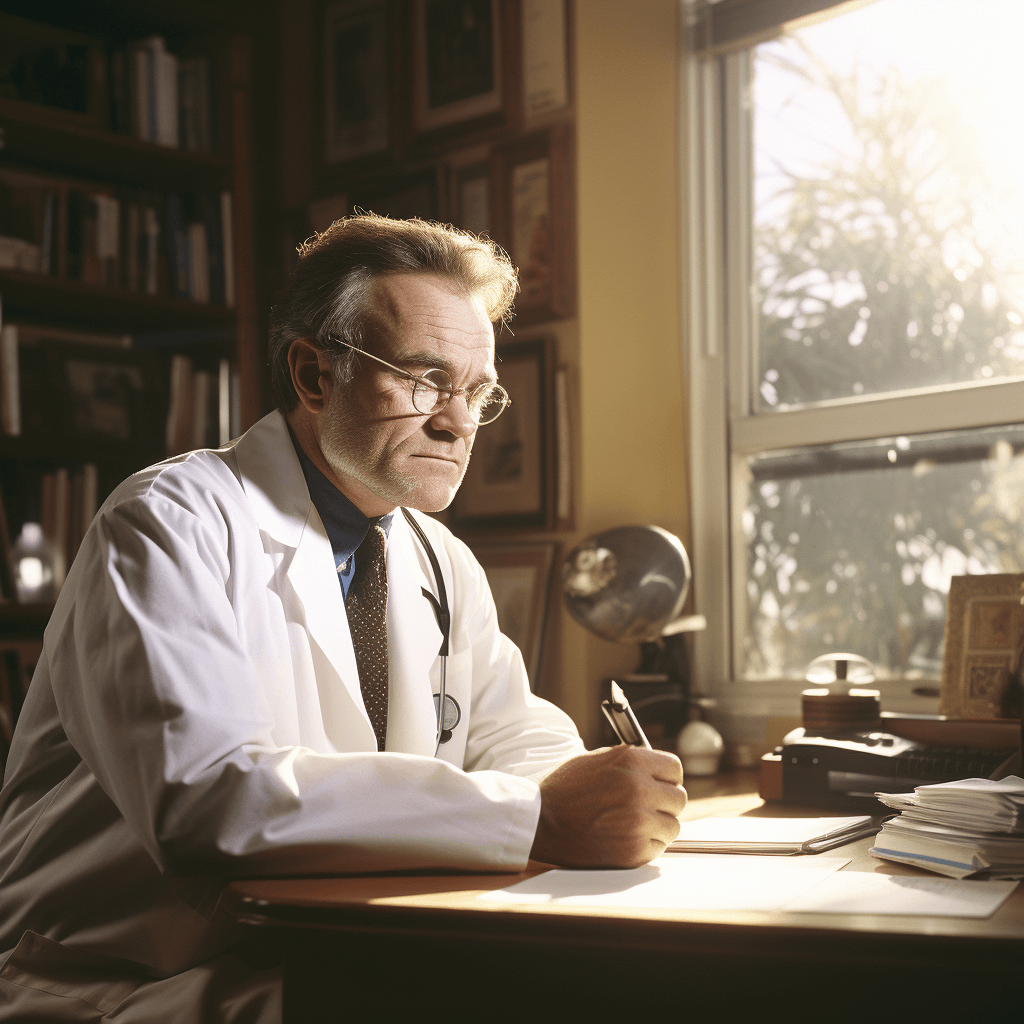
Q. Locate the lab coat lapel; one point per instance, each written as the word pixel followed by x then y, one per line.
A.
pixel 413 643
pixel 277 491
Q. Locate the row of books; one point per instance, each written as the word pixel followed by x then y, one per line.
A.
pixel 142 89
pixel 205 406
pixel 203 397
pixel 156 96
pixel 179 244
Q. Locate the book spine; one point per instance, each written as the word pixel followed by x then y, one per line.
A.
pixel 167 98
pixel 179 411
pixel 10 381
pixel 177 247
pixel 228 243
pixel 151 251
pixel 198 263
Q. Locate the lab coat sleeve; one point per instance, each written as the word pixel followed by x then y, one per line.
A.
pixel 512 730
pixel 158 696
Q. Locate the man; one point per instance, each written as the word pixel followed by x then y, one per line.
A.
pixel 242 674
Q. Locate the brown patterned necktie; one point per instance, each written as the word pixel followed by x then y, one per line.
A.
pixel 366 605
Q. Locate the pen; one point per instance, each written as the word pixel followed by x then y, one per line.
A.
pixel 622 720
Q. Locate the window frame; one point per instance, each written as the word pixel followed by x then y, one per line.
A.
pixel 717 160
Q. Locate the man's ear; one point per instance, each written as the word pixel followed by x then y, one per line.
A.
pixel 311 375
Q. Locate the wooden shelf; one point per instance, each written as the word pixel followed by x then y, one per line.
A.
pixel 28 618
pixel 56 140
pixel 37 297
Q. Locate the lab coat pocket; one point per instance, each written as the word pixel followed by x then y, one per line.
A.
pixel 45 980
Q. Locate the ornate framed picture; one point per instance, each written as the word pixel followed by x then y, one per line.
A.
pixel 984 645
pixel 520 580
pixel 510 480
pixel 534 221
pixel 356 80
pixel 457 62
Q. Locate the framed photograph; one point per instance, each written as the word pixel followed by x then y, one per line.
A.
pixel 356 77
pixel 457 62
pixel 509 482
pixel 984 646
pixel 532 182
pixel 109 396
pixel 520 580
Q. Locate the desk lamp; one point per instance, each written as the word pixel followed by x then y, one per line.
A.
pixel 629 584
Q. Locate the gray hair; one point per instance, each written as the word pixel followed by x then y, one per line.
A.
pixel 331 291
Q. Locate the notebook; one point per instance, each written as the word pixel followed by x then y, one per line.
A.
pixel 781 836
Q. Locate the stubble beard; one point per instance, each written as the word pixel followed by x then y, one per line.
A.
pixel 343 444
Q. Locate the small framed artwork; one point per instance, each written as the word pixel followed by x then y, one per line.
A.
pixel 109 395
pixel 534 221
pixel 984 647
pixel 520 579
pixel 509 482
pixel 471 198
pixel 356 80
pixel 457 62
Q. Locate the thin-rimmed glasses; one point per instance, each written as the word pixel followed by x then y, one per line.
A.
pixel 433 390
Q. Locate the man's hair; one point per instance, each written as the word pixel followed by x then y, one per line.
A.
pixel 331 291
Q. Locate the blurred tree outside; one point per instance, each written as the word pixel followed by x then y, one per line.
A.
pixel 880 267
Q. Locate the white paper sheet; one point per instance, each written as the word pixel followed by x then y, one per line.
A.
pixel 679 881
pixel 865 892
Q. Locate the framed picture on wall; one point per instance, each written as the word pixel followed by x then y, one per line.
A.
pixel 109 396
pixel 532 182
pixel 984 646
pixel 356 77
pixel 510 480
pixel 471 197
pixel 416 194
pixel 457 62
pixel 520 579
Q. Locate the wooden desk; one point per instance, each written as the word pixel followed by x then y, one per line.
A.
pixel 408 947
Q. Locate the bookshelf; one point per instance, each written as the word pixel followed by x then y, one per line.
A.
pixel 196 295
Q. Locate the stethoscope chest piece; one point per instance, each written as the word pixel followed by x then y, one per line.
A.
pixel 452 716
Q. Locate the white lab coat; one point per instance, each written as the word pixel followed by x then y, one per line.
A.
pixel 197 714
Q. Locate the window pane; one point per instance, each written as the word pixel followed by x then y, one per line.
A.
pixel 889 201
pixel 851 547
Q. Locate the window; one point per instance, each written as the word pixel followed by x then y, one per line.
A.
pixel 856 299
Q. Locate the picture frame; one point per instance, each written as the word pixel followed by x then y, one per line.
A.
pixel 418 193
pixel 458 72
pixel 108 396
pixel 534 221
pixel 356 80
pixel 471 204
pixel 510 479
pixel 984 644
pixel 520 577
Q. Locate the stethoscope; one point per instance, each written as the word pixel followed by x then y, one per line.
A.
pixel 444 622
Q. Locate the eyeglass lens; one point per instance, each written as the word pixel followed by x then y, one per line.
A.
pixel 485 403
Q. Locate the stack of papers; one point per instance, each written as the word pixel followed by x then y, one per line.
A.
pixel 769 835
pixel 957 828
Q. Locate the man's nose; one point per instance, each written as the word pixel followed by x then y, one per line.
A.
pixel 455 417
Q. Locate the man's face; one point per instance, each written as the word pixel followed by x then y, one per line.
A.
pixel 383 451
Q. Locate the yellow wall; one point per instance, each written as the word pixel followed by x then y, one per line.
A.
pixel 633 465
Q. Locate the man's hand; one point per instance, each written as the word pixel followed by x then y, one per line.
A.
pixel 610 808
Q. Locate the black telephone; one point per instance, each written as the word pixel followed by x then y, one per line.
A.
pixel 847 769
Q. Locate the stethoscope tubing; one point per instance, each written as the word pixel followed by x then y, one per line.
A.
pixel 443 614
